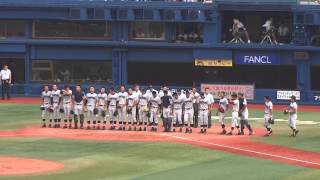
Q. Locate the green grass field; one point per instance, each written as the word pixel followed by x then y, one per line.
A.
pixel 84 159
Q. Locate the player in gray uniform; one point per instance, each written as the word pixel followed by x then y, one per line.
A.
pixel 122 95
pixel 78 99
pixel 132 101
pixel 45 106
pixel 143 110
pixel 154 104
pixel 204 108
pixel 113 100
pixel 222 109
pixel 102 107
pixel 66 103
pixel 55 104
pixel 177 112
pixel 268 115
pixel 244 114
pixel 188 111
pixel 91 101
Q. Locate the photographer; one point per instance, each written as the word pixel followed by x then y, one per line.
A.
pixel 5 76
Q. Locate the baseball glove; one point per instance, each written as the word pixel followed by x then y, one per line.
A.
pixel 239 114
pixel 286 112
pixel 103 113
pixel 50 110
pixel 221 110
pixel 95 111
pixel 115 113
pixel 61 110
pixel 271 121
pixel 71 112
pixel 129 111
pixel 42 108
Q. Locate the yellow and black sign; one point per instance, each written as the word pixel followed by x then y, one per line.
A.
pixel 213 62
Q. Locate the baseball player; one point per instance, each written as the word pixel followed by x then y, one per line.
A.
pixel 45 107
pixel 210 98
pixel 166 113
pixel 292 110
pixel 123 95
pixel 177 112
pixel 150 91
pixel 113 100
pixel 137 93
pixel 102 107
pixel 188 111
pixel 91 101
pixel 132 101
pixel 244 114
pixel 55 104
pixel 154 103
pixel 196 96
pixel 235 113
pixel 222 109
pixel 204 108
pixel 78 99
pixel 143 110
pixel 66 103
pixel 268 115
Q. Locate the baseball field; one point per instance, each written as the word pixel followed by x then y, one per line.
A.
pixel 28 151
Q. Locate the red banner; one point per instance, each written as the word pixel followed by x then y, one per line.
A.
pixel 247 90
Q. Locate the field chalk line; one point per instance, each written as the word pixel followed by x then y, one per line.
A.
pixel 241 149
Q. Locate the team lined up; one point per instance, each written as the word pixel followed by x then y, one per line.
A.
pixel 138 109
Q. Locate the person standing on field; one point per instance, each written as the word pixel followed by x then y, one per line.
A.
pixel 5 76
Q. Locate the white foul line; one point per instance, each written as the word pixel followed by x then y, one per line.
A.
pixel 241 149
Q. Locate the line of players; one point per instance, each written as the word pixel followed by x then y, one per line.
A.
pixel 136 109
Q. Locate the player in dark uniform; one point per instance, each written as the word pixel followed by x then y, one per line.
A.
pixel 78 103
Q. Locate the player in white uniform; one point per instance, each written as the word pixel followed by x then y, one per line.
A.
pixel 188 111
pixel 102 108
pixel 132 101
pixel 150 91
pixel 161 92
pixel 67 104
pixel 210 98
pixel 268 115
pixel 123 95
pixel 45 106
pixel 244 114
pixel 137 93
pixel 235 113
pixel 91 99
pixel 154 103
pixel 222 109
pixel 293 116
pixel 177 112
pixel 113 100
pixel 143 110
pixel 204 108
pixel 55 104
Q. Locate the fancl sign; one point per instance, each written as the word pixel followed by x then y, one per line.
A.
pixel 257 59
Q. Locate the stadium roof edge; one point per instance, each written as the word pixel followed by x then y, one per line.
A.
pixel 99 3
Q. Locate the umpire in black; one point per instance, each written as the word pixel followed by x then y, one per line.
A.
pixel 5 76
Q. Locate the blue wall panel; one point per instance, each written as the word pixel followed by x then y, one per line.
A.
pixel 164 55
pixel 71 53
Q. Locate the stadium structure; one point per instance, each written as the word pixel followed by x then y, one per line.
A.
pixel 178 43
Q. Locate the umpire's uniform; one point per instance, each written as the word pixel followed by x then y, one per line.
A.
pixel 5 75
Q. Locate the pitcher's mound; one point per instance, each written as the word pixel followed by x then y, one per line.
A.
pixel 17 166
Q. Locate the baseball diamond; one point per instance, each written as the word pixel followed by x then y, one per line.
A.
pixel 159 89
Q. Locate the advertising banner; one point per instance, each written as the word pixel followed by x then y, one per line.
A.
pixel 247 90
pixel 285 95
pixel 257 58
